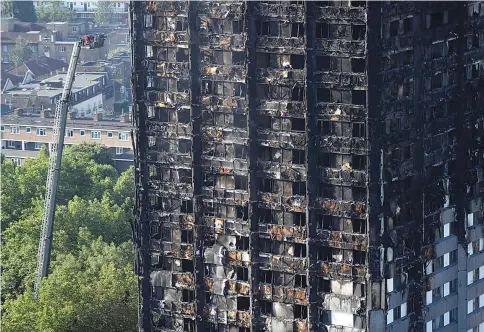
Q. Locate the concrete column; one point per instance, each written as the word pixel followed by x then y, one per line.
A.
pixel 23 145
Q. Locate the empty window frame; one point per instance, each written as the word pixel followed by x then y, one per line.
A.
pixel 322 62
pixel 266 216
pixel 299 219
pixel 332 160
pixel 298 124
pixel 300 311
pixel 184 146
pixel 242 212
pixel 358 32
pixel 265 276
pixel 237 27
pixel 188 295
pixel 408 25
pixel 240 120
pixel 186 206
pixel 358 97
pixel 298 157
pixel 300 281
pixel 358 65
pixel 300 250
pixel 268 185
pixel 242 242
pixel 359 130
pixel 299 188
pixel 324 285
pixel 243 303
pixel 358 162
pixel 241 182
pixel 265 307
pixel 322 30
pixel 240 151
pixel 435 20
pixel 263 28
pixel 242 274
pixel 297 30
pixel 187 236
pixel 394 27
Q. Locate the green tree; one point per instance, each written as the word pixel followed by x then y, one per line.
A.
pixel 87 171
pixel 91 196
pixel 117 50
pixel 6 8
pixel 21 52
pixel 104 13
pixel 19 251
pixel 124 189
pixel 54 11
pixel 93 289
pixel 24 11
pixel 90 151
pixel 10 196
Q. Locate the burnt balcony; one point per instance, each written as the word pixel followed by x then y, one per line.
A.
pixel 280 76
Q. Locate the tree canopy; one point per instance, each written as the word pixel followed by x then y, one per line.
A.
pixel 54 11
pixel 6 8
pixel 24 11
pixel 21 52
pixel 104 12
pixel 117 50
pixel 91 285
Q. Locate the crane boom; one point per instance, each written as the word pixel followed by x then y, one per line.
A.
pixel 55 157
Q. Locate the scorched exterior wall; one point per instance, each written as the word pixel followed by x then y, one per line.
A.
pixel 308 166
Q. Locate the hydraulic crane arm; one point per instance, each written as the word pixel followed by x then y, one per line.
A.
pixel 55 158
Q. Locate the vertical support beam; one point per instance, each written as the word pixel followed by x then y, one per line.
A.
pixel 463 140
pixel 196 119
pixel 375 283
pixel 311 164
pixel 141 170
pixel 253 148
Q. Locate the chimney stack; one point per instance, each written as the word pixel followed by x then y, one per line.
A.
pixel 98 116
pixel 71 115
pixel 44 114
pixel 124 118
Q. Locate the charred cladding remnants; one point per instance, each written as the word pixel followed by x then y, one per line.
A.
pixel 309 166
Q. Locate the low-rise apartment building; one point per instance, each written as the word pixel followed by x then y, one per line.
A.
pixel 86 99
pixel 86 10
pixel 22 135
pixel 56 40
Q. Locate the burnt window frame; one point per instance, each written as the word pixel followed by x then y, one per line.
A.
pixel 298 157
pixel 322 30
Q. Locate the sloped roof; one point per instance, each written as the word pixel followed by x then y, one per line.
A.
pixel 7 36
pixel 13 78
pixel 42 65
pixel 21 102
pixel 24 27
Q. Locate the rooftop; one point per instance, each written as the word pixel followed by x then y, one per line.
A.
pixel 41 65
pixel 38 121
pixel 46 88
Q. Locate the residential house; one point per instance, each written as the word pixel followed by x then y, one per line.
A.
pixel 23 135
pixel 9 81
pixel 86 98
pixel 85 11
pixel 39 69
pixel 57 39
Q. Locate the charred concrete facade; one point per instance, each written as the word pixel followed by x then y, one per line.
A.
pixel 309 166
